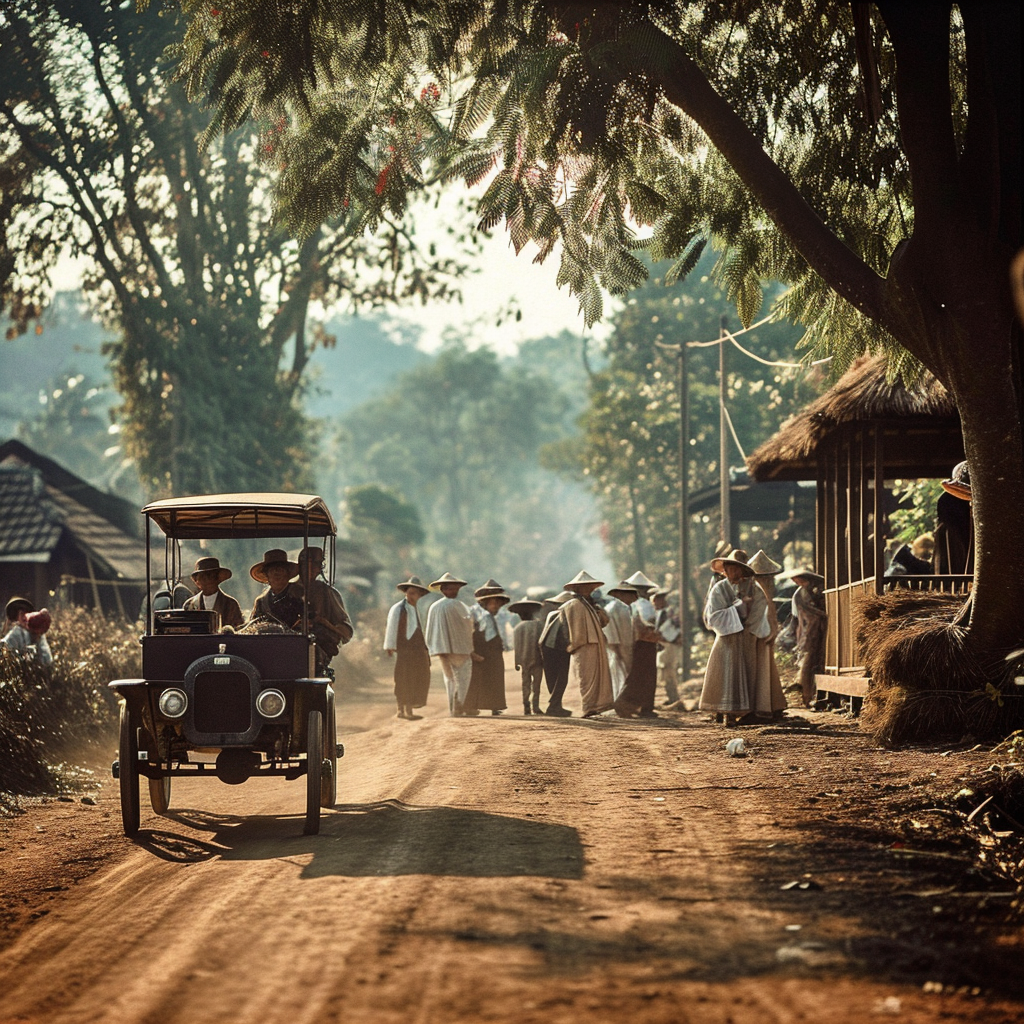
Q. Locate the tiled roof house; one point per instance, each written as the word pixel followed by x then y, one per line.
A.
pixel 63 541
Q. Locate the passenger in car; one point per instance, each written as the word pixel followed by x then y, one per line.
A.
pixel 208 576
pixel 328 620
pixel 282 600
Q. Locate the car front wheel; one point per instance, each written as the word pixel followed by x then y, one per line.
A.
pixel 314 760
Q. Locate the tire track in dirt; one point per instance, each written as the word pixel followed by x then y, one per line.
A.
pixel 504 869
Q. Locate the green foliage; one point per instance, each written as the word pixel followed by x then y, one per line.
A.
pixel 73 425
pixel 457 439
pixel 382 515
pixel 208 298
pixel 628 452
pixel 916 514
pixel 48 716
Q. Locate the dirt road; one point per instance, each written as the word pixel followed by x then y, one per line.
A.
pixel 517 869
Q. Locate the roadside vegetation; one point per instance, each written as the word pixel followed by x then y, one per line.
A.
pixel 51 717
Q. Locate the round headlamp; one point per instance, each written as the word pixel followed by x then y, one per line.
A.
pixel 172 703
pixel 270 703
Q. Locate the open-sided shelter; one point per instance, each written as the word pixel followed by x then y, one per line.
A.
pixel 862 434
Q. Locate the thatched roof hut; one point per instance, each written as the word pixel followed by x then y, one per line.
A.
pixel 865 431
pixel 919 415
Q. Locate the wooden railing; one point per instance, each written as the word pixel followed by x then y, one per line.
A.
pixel 842 653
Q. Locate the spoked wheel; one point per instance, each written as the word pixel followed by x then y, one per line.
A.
pixel 160 794
pixel 329 773
pixel 128 771
pixel 314 760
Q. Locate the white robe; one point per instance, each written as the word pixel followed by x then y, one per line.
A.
pixel 412 622
pixel 619 634
pixel 449 627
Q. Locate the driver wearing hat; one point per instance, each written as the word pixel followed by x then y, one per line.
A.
pixel 209 574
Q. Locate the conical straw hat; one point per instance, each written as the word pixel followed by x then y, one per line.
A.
pixel 582 578
pixel 446 578
pixel 638 579
pixel 763 565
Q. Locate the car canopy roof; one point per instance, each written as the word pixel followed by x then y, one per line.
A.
pixel 210 516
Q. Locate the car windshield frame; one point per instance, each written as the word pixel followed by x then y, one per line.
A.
pixel 235 516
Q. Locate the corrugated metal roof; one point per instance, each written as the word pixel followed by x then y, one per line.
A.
pixel 30 523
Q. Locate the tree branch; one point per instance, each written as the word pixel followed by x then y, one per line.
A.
pixel 686 87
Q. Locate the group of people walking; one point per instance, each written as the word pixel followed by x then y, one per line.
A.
pixel 609 652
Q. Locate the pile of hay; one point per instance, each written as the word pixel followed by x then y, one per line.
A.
pixel 52 717
pixel 925 684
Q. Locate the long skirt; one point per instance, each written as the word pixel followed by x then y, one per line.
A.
pixel 412 673
pixel 556 674
pixel 767 695
pixel 487 682
pixel 642 681
pixel 729 677
pixel 588 668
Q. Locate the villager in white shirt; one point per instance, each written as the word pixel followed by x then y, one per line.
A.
pixel 619 634
pixel 404 640
pixel 449 637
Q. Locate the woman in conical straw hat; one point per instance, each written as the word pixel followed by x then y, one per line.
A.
pixel 588 653
pixel 769 700
pixel 736 610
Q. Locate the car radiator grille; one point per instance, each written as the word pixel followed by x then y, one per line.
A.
pixel 222 702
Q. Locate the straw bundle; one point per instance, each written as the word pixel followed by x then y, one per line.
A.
pixel 926 684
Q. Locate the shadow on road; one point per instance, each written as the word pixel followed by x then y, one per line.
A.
pixel 382 839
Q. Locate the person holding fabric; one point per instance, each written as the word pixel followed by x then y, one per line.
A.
pixel 404 641
pixel 588 652
pixel 26 633
pixel 619 634
pixel 737 612
pixel 209 574
pixel 526 651
pixel 449 638
pixel 487 678
pixel 554 652
pixel 768 699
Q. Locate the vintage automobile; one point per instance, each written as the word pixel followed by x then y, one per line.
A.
pixel 229 704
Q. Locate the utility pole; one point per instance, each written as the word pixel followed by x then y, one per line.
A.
pixel 723 438
pixel 684 515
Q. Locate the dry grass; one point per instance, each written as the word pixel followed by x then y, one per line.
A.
pixel 48 716
pixel 926 684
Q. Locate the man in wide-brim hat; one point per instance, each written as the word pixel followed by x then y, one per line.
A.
pixel 282 600
pixel 449 636
pixel 588 651
pixel 404 640
pixel 526 651
pixel 768 699
pixel 208 575
pixel 329 621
